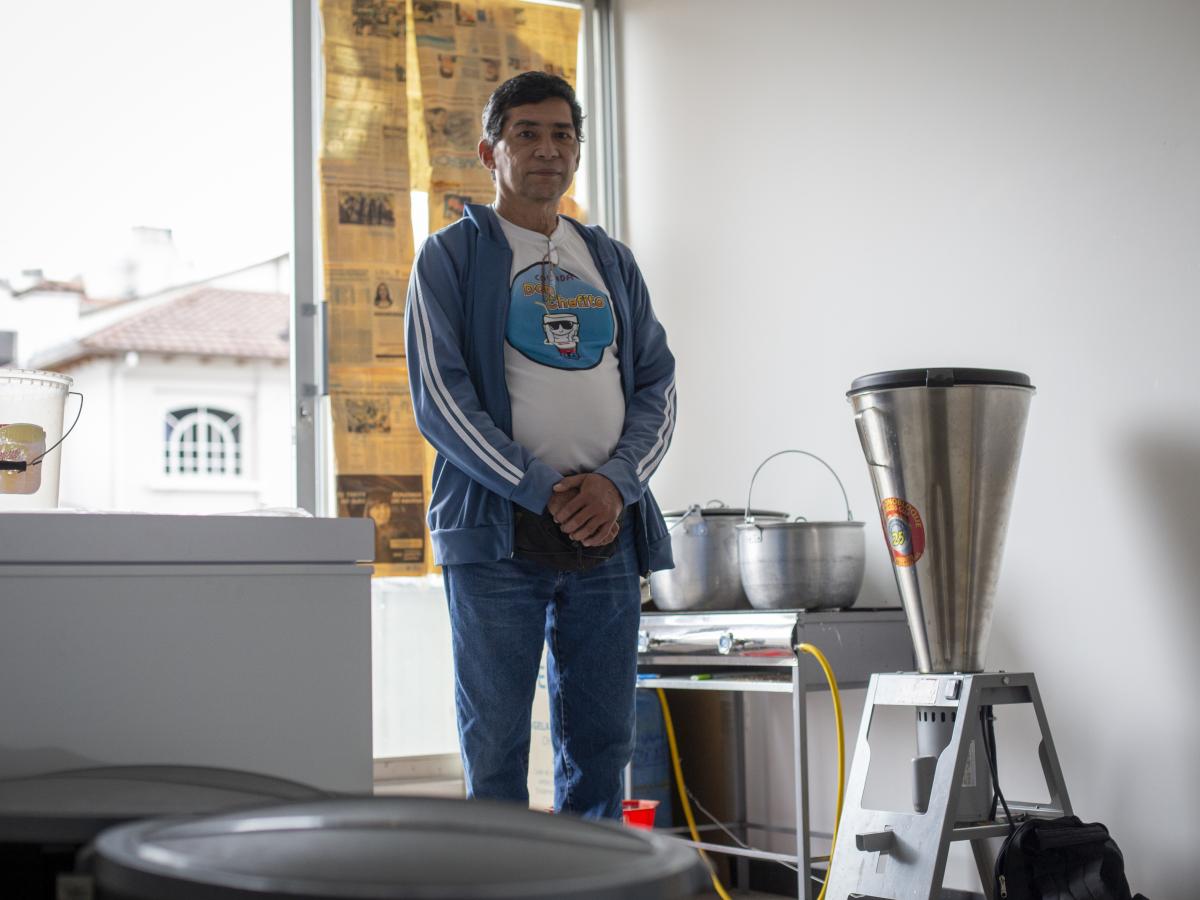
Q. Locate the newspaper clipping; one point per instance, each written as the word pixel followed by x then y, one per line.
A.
pixel 381 463
pixel 464 51
pixel 366 325
pixel 367 247
pixel 364 134
pixel 396 503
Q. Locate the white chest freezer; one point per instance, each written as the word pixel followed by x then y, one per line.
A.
pixel 234 641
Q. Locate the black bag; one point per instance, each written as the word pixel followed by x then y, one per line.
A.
pixel 538 539
pixel 1061 859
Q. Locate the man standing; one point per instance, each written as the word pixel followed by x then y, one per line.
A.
pixel 541 376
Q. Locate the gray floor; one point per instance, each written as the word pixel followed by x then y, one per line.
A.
pixel 421 787
pixel 435 778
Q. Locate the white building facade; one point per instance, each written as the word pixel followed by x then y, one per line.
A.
pixel 148 417
pixel 186 393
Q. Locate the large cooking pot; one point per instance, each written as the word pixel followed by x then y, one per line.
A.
pixel 704 544
pixel 418 848
pixel 801 564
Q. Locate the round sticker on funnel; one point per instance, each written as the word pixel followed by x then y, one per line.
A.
pixel 904 531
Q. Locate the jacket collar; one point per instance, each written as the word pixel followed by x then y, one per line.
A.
pixel 487 222
pixel 484 218
pixel 592 235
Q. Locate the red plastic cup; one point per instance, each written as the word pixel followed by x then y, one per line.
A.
pixel 639 813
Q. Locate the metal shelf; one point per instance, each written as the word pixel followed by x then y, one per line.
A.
pixel 747 683
pixel 762 647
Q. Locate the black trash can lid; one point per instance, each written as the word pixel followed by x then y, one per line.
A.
pixel 73 806
pixel 382 847
pixel 936 378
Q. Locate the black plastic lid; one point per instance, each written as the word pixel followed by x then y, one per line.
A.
pixel 72 807
pixel 418 848
pixel 936 378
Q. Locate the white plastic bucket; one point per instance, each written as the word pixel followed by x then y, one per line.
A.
pixel 32 405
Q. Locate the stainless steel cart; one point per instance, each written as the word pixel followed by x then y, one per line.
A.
pixel 746 651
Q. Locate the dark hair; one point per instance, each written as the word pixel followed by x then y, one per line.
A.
pixel 528 87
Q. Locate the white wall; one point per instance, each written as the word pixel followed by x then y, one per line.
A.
pixel 41 319
pixel 88 479
pixel 413 683
pixel 272 275
pixel 820 190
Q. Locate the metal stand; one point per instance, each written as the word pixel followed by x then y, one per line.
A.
pixel 763 644
pixel 882 855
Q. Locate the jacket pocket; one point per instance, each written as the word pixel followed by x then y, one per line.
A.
pixel 458 502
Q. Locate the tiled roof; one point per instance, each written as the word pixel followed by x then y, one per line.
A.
pixel 44 286
pixel 92 304
pixel 204 322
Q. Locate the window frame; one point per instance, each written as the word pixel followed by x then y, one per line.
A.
pixel 210 418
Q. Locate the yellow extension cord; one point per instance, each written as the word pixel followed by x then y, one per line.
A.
pixel 841 775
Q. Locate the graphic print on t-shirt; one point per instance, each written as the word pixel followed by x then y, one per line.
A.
pixel 566 323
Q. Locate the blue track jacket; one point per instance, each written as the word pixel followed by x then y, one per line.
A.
pixel 455 320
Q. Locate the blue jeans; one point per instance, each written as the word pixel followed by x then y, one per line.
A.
pixel 500 615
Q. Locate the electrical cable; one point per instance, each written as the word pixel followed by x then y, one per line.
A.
pixel 989 746
pixel 685 794
pixel 813 651
pixel 986 721
pixel 733 837
pixel 729 834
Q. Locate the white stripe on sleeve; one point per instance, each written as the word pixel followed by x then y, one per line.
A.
pixel 450 410
pixel 651 460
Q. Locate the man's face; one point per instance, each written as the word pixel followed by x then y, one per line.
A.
pixel 537 153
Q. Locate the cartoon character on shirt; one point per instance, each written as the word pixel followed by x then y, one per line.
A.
pixel 562 333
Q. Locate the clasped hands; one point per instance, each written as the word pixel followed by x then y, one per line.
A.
pixel 587 508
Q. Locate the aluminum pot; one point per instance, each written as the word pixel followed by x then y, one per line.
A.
pixel 801 564
pixel 704 544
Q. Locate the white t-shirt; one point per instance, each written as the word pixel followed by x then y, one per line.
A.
pixel 560 351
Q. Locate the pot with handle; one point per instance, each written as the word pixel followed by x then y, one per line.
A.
pixel 801 564
pixel 704 544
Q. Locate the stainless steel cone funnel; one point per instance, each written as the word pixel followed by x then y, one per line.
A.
pixel 942 446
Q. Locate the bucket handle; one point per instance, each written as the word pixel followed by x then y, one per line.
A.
pixel 687 514
pixel 695 509
pixel 750 493
pixel 20 465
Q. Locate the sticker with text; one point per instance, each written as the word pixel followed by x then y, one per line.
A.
pixel 904 530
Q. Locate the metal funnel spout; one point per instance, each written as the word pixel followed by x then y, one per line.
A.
pixel 942 447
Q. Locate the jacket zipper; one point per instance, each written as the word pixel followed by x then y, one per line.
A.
pixel 512 518
pixel 622 344
pixel 1003 887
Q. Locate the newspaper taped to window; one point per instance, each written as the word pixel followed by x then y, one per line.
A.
pixel 381 462
pixel 396 504
pixel 367 322
pixel 402 97
pixel 464 52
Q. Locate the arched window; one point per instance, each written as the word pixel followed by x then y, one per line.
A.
pixel 201 440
